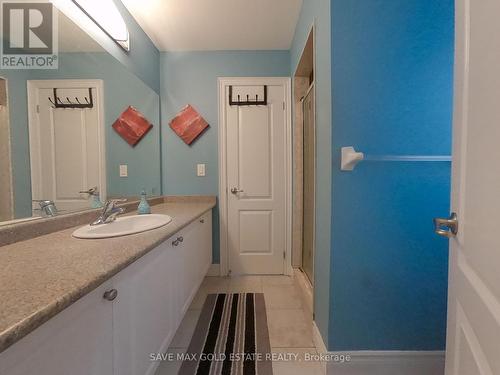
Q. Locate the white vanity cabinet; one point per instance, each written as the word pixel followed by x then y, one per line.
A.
pixel 116 336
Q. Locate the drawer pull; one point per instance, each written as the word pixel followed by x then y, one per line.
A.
pixel 175 243
pixel 110 295
pixel 180 239
pixel 202 221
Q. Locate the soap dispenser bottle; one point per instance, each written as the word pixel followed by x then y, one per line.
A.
pixel 95 200
pixel 143 207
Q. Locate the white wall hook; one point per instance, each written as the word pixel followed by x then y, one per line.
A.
pixel 350 158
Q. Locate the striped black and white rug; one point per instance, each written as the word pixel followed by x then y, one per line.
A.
pixel 231 337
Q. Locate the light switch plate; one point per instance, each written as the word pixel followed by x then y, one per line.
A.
pixel 123 170
pixel 200 170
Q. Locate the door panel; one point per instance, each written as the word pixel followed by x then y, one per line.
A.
pixel 474 294
pixel 255 232
pixel 254 154
pixel 256 169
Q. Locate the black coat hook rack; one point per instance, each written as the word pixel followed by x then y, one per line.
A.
pixel 68 103
pixel 248 101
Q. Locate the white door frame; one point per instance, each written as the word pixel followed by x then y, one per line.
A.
pixel 223 82
pixel 8 142
pixel 32 87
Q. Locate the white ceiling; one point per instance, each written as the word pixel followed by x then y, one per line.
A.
pixel 198 25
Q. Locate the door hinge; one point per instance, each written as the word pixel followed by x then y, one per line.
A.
pixel 38 108
pixel 284 254
pixel 284 106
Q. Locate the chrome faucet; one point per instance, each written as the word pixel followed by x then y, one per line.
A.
pixel 109 212
pixel 91 191
pixel 47 206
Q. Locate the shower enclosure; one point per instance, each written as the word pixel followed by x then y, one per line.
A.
pixel 308 184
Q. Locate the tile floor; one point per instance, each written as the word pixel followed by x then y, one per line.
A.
pixel 290 327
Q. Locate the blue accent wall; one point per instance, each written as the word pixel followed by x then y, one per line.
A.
pixel 191 78
pixel 392 76
pixel 317 12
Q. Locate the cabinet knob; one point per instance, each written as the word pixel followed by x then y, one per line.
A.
pixel 110 295
pixel 175 243
pixel 180 239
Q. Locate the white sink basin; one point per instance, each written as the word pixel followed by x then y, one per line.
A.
pixel 123 226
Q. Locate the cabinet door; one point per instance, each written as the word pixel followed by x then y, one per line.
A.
pixel 77 341
pixel 201 247
pixel 205 241
pixel 196 256
pixel 144 313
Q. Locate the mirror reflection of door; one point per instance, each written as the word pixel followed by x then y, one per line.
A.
pixel 66 144
pixel 6 191
pixel 308 184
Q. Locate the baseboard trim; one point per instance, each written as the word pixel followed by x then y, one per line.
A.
pixel 381 354
pixel 214 270
pixel 306 290
pixel 391 360
pixel 388 362
pixel 320 346
pixel 318 340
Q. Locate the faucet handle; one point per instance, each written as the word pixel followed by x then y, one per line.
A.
pixel 111 205
pixel 91 191
pixel 109 212
pixel 114 202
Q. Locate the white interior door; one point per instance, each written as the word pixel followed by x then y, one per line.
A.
pixel 473 345
pixel 256 160
pixel 66 145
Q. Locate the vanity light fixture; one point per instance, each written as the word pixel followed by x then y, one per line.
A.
pixel 107 16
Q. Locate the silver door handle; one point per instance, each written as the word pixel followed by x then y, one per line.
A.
pixel 446 227
pixel 236 190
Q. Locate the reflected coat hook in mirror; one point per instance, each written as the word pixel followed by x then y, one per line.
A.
pixel 58 103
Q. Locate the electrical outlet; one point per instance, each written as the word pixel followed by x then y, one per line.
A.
pixel 200 170
pixel 123 170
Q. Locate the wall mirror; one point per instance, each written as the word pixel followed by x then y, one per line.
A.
pixel 56 137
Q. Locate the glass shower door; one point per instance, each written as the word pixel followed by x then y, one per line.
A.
pixel 308 184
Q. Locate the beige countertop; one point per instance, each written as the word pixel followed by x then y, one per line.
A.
pixel 42 276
